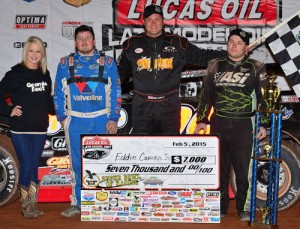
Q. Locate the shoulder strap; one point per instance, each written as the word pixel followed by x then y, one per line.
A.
pixel 74 79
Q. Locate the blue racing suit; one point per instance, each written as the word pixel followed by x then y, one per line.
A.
pixel 87 94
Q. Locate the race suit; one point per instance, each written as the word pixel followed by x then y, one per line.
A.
pixel 85 106
pixel 156 65
pixel 233 89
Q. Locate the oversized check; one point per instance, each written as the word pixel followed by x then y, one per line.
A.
pixel 150 162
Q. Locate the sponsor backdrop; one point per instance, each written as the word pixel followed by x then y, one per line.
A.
pixel 205 23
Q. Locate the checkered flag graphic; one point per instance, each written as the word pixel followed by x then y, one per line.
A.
pixel 285 45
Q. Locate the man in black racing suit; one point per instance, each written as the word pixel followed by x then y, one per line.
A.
pixel 155 60
pixel 233 88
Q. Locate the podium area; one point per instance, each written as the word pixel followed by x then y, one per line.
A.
pixel 11 218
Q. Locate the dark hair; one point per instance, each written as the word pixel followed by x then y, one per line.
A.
pixel 84 28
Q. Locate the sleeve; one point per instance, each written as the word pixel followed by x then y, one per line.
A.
pixel 59 96
pixel 116 93
pixel 124 66
pixel 51 109
pixel 206 97
pixel 5 89
pixel 199 56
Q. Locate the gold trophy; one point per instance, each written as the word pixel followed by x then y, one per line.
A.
pixel 264 212
pixel 271 93
pixel 267 149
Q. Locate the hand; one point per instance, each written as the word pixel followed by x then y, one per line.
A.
pixel 111 127
pixel 16 111
pixel 200 126
pixel 262 133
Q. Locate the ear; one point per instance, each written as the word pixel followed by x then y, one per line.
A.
pixel 247 49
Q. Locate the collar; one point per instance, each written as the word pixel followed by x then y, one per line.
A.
pixel 236 63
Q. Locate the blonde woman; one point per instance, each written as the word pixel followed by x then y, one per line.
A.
pixel 28 84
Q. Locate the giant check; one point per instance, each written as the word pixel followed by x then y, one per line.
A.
pixel 150 162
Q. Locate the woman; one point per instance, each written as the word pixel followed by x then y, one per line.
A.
pixel 28 84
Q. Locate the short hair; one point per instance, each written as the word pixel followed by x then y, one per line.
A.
pixel 40 43
pixel 84 28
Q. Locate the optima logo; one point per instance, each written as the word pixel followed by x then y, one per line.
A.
pixel 30 21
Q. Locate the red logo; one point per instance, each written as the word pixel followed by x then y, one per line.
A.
pixel 202 12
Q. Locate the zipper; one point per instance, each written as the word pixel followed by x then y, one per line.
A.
pixel 155 60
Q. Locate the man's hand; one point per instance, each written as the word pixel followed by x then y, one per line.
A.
pixel 111 127
pixel 262 133
pixel 200 126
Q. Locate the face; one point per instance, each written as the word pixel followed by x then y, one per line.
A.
pixel 33 56
pixel 236 48
pixel 154 25
pixel 85 43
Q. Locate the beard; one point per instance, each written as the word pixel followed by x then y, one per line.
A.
pixel 85 51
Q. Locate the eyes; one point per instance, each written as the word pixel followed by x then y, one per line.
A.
pixel 154 20
pixel 34 51
pixel 87 38
pixel 240 43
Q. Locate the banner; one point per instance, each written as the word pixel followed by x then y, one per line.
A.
pixel 205 23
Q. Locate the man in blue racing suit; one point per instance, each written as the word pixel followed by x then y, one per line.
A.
pixel 87 99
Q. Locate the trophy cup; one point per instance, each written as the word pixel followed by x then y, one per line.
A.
pixel 271 93
pixel 272 158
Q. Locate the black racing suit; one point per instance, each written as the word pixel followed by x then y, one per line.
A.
pixel 233 89
pixel 156 65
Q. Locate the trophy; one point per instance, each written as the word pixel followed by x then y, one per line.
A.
pixel 267 148
pixel 271 93
pixel 272 158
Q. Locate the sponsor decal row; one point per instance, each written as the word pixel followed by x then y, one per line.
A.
pixel 193 206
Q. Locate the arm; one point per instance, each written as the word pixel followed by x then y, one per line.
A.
pixel 59 96
pixel 199 56
pixel 124 66
pixel 206 100
pixel 51 109
pixel 115 99
pixel 5 89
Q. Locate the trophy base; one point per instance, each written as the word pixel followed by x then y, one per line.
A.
pixel 262 225
pixel 267 159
